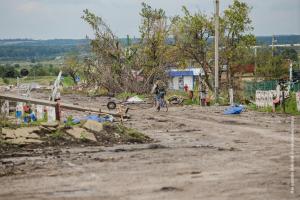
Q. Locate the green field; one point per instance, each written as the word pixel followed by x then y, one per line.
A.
pixel 42 80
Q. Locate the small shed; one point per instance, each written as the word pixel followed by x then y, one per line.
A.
pixel 178 78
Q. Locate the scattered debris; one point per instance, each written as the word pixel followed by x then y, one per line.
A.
pixel 50 124
pixel 156 146
pixel 93 126
pixel 134 100
pixel 170 189
pixel 176 100
pixel 21 136
pixel 82 134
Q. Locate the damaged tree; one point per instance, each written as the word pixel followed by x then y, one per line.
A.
pixel 153 47
pixel 112 66
pixel 109 66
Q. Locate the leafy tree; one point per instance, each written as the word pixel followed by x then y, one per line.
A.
pixel 17 66
pixel 153 49
pixel 38 70
pixel 290 54
pixel 72 66
pixel 271 67
pixel 236 39
pixel 8 71
pixel 192 33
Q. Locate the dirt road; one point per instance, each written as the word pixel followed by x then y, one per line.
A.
pixel 198 154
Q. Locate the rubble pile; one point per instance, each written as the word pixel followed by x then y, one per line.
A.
pixel 89 131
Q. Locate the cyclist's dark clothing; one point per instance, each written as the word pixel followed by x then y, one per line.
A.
pixel 159 90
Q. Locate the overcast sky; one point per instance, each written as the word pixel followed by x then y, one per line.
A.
pixel 49 19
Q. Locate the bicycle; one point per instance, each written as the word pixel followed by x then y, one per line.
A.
pixel 162 104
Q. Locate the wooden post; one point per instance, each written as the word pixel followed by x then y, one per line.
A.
pixel 200 89
pixel 58 111
pixel 231 96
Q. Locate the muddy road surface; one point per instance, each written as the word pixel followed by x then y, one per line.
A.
pixel 197 153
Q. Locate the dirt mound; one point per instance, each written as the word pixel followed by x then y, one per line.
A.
pixel 119 134
pixel 88 133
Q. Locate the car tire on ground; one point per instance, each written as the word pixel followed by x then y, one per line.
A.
pixel 111 105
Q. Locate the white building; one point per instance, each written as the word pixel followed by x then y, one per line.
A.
pixel 181 77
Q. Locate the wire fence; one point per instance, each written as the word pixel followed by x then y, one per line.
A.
pixel 250 87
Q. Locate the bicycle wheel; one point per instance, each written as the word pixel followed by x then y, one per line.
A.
pixel 158 106
pixel 164 105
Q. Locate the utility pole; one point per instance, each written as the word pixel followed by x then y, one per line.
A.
pixel 217 50
pixel 273 42
pixel 255 58
pixel 291 71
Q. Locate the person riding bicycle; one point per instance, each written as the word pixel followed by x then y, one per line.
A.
pixel 159 89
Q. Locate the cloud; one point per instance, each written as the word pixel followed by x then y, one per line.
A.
pixel 61 18
pixel 29 6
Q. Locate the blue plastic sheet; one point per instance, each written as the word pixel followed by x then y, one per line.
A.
pixel 100 119
pixel 30 118
pixel 233 110
pixel 107 118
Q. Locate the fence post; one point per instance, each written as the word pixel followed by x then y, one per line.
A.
pixel 58 111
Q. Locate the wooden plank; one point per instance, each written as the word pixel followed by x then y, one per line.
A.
pixel 85 109
pixel 15 98
pixel 27 100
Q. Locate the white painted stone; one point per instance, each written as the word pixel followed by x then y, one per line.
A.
pixel 298 100
pixel 40 112
pixel 51 114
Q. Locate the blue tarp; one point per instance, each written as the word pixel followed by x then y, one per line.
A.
pixel 107 118
pixel 181 73
pixel 234 110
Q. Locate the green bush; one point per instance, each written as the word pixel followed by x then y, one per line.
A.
pixel 291 105
pixel 191 102
pixel 6 81
pixel 68 81
pixel 58 134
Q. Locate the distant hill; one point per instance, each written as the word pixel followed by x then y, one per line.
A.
pixel 280 39
pixel 54 42
pixel 21 49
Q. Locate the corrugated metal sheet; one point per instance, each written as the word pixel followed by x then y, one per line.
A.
pixel 181 73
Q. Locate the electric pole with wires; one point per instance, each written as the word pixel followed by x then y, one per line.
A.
pixel 217 51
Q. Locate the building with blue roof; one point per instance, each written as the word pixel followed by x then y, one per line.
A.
pixel 178 78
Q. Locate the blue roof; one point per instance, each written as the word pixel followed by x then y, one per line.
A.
pixel 181 73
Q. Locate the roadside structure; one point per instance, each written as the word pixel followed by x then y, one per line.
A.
pixel 181 78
